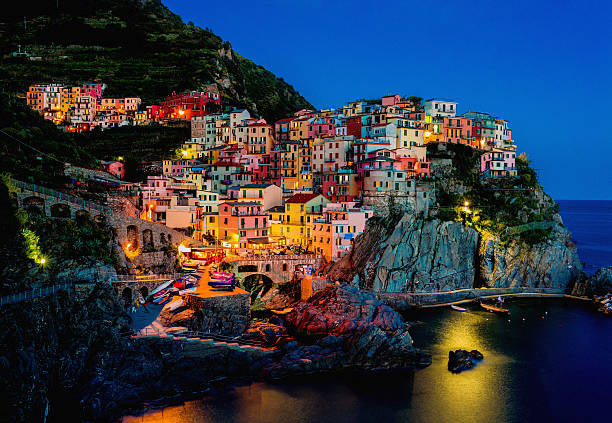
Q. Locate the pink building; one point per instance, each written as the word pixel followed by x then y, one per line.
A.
pixel 458 130
pixel 321 126
pixel 390 100
pixel 330 154
pixel 334 234
pixel 251 162
pixel 176 167
pixel 231 153
pixel 413 166
pixel 241 223
pixel 94 90
pixel 498 163
pixel 115 168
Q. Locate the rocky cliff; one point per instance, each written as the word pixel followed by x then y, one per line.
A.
pixel 601 282
pixel 434 255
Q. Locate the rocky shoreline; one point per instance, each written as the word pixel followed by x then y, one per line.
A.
pixel 340 329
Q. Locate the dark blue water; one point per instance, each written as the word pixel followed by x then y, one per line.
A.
pixel 591 225
pixel 554 366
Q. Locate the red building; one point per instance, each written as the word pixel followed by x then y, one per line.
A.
pixel 185 105
pixel 353 126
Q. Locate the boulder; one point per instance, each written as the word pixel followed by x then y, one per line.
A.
pixel 461 360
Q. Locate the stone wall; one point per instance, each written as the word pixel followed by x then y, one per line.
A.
pixel 223 315
pixel 149 234
pixel 418 200
pixel 156 261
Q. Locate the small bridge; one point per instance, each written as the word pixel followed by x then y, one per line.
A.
pixel 279 268
pixel 126 286
pixel 56 203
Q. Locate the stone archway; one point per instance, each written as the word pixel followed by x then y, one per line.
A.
pixel 147 239
pixel 144 291
pixel 126 297
pixel 60 210
pixel 34 204
pixel 162 239
pixel 132 237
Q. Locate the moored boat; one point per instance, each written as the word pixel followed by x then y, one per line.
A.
pixel 457 308
pixel 494 309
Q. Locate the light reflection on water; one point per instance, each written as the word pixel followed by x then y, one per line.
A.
pixel 520 379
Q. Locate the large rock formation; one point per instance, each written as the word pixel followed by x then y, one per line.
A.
pixel 427 256
pixel 432 255
pixel 352 330
pixel 553 263
pixel 601 282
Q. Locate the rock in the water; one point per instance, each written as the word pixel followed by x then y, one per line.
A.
pixel 461 360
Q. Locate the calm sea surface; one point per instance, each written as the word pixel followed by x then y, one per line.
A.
pixel 550 361
pixel 591 225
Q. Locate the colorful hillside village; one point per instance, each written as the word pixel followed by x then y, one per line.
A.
pixel 309 182
pixel 83 107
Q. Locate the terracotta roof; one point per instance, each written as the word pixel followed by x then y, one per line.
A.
pixel 301 198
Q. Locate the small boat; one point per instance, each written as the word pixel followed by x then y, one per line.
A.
pixel 221 275
pixel 162 286
pixel 494 309
pixel 161 299
pixel 187 291
pixel 457 308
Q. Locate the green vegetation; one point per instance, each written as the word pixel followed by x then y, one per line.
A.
pixel 493 206
pixel 138 48
pixel 32 149
pixel 134 144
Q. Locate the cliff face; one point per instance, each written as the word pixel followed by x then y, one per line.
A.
pixel 432 255
pixel 551 264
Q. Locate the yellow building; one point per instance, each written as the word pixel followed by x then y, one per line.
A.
pixel 409 137
pixel 289 165
pixel 295 221
pixel 433 133
pixel 209 224
pixel 298 129
pixel 69 97
pixel 305 165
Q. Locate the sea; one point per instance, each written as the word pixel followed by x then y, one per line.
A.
pixel 550 360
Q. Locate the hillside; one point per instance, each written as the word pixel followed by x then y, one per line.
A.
pixel 32 149
pixel 138 48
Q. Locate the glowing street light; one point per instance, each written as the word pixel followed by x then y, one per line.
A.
pixel 43 261
pixel 185 152
pixel 181 112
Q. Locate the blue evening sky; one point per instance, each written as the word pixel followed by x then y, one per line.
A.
pixel 546 66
